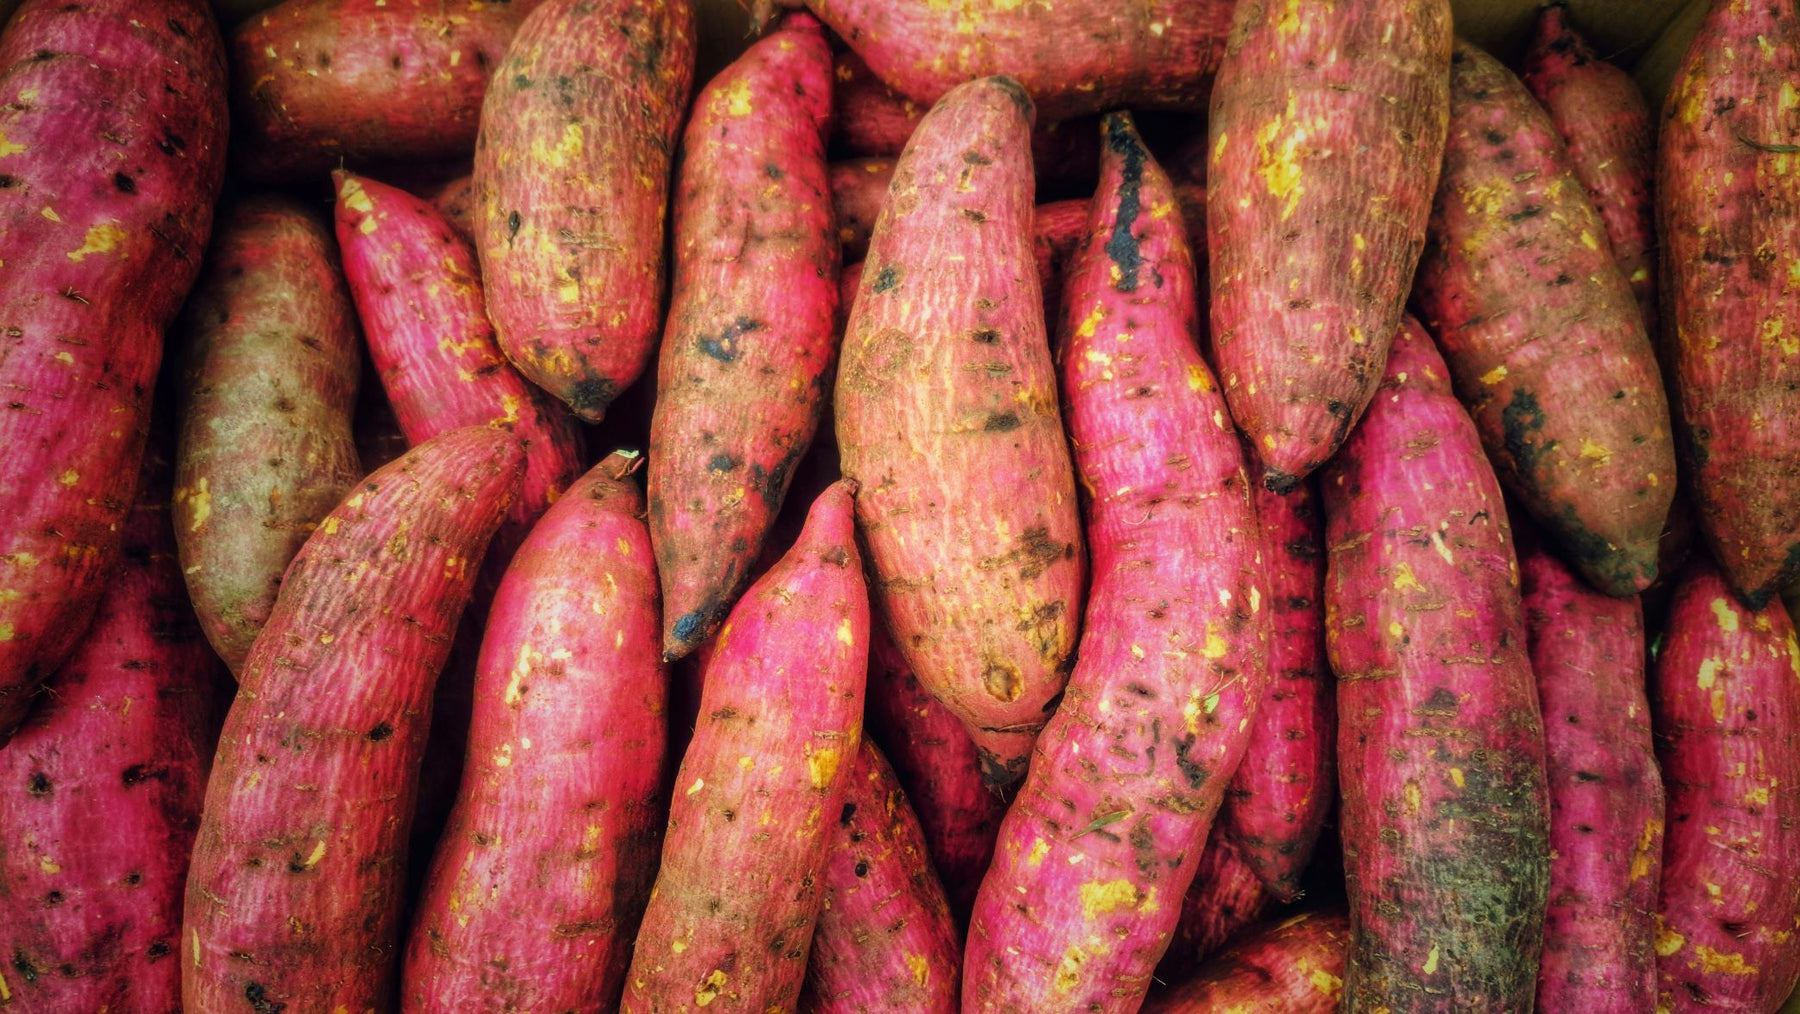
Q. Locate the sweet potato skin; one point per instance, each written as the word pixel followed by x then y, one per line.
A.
pixel 1225 899
pixel 123 743
pixel 1277 805
pixel 103 240
pixel 940 770
pixel 1140 53
pixel 859 187
pixel 885 940
pixel 946 375
pixel 1293 967
pixel 318 83
pixel 455 201
pixel 1544 341
pixel 1727 699
pixel 1725 196
pixel 542 873
pixel 1440 740
pixel 1605 123
pixel 293 898
pixel 1327 136
pixel 1606 796
pixel 752 334
pixel 1125 780
pixel 571 188
pixel 731 916
pixel 270 362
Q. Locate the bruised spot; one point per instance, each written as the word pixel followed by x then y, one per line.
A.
pixel 725 347
pixel 688 627
pixel 258 998
pixel 1520 420
pixel 722 462
pixel 1003 681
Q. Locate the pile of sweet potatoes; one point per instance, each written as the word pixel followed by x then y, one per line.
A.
pixel 957 505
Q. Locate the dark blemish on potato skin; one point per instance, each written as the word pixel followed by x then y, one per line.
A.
pixel 725 348
pixel 1001 422
pixel 1122 246
pixel 887 279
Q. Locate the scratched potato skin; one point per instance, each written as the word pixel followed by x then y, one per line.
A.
pixel 1726 693
pixel 105 215
pixel 270 362
pixel 1293 967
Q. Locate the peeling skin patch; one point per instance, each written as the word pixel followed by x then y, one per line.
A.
pixel 1102 897
pixel 100 239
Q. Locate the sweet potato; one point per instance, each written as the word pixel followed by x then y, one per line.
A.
pixel 534 895
pixel 1107 831
pixel 1545 343
pixel 270 361
pixel 885 939
pixel 946 408
pixel 1293 967
pixel 113 154
pixel 1327 133
pixel 1440 741
pixel 753 323
pixel 1604 120
pixel 293 900
pixel 859 187
pixel 1277 805
pixel 318 83
pixel 418 294
pixel 1727 699
pixel 571 186
pixel 1073 57
pixel 1225 898
pixel 103 786
pixel 455 201
pixel 1727 201
pixel 938 766
pixel 731 916
pixel 1606 797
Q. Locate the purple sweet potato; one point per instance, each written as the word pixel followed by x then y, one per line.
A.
pixel 571 188
pixel 1107 831
pixel 938 766
pixel 317 83
pixel 731 916
pixel 1728 210
pixel 1727 693
pixel 1072 57
pixel 753 323
pixel 859 188
pixel 946 411
pixel 103 787
pixel 1327 133
pixel 1606 797
pixel 1605 122
pixel 1225 898
pixel 885 939
pixel 1293 967
pixel 418 294
pixel 1545 343
pixel 534 895
pixel 112 148
pixel 269 376
pixel 293 900
pixel 1277 804
pixel 1440 741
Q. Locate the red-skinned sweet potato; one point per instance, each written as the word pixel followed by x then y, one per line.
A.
pixel 1727 194
pixel 293 900
pixel 534 895
pixel 1327 133
pixel 1293 967
pixel 1225 899
pixel 732 913
pixel 885 940
pixel 1544 341
pixel 1440 741
pixel 1075 57
pixel 859 187
pixel 946 377
pixel 1107 831
pixel 1605 122
pixel 1727 699
pixel 571 188
pixel 113 154
pixel 939 768
pixel 1277 803
pixel 317 83
pixel 753 323
pixel 103 788
pixel 270 357
pixel 378 436
pixel 455 201
pixel 1606 797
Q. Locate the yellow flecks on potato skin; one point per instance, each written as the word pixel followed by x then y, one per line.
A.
pixel 1709 673
pixel 100 239
pixel 1414 798
pixel 737 98
pixel 1457 779
pixel 920 969
pixel 1431 961
pixel 1595 452
pixel 69 477
pixel 8 148
pixel 1715 962
pixel 1727 616
pixel 1100 897
pixel 351 192
pixel 1495 375
pixel 1279 165
pixel 1068 970
pixel 50 213
pixel 711 988
pixel 1325 982
pixel 821 766
pixel 1039 849
pixel 1405 580
pixel 199 501
pixel 845 635
pixel 1668 942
